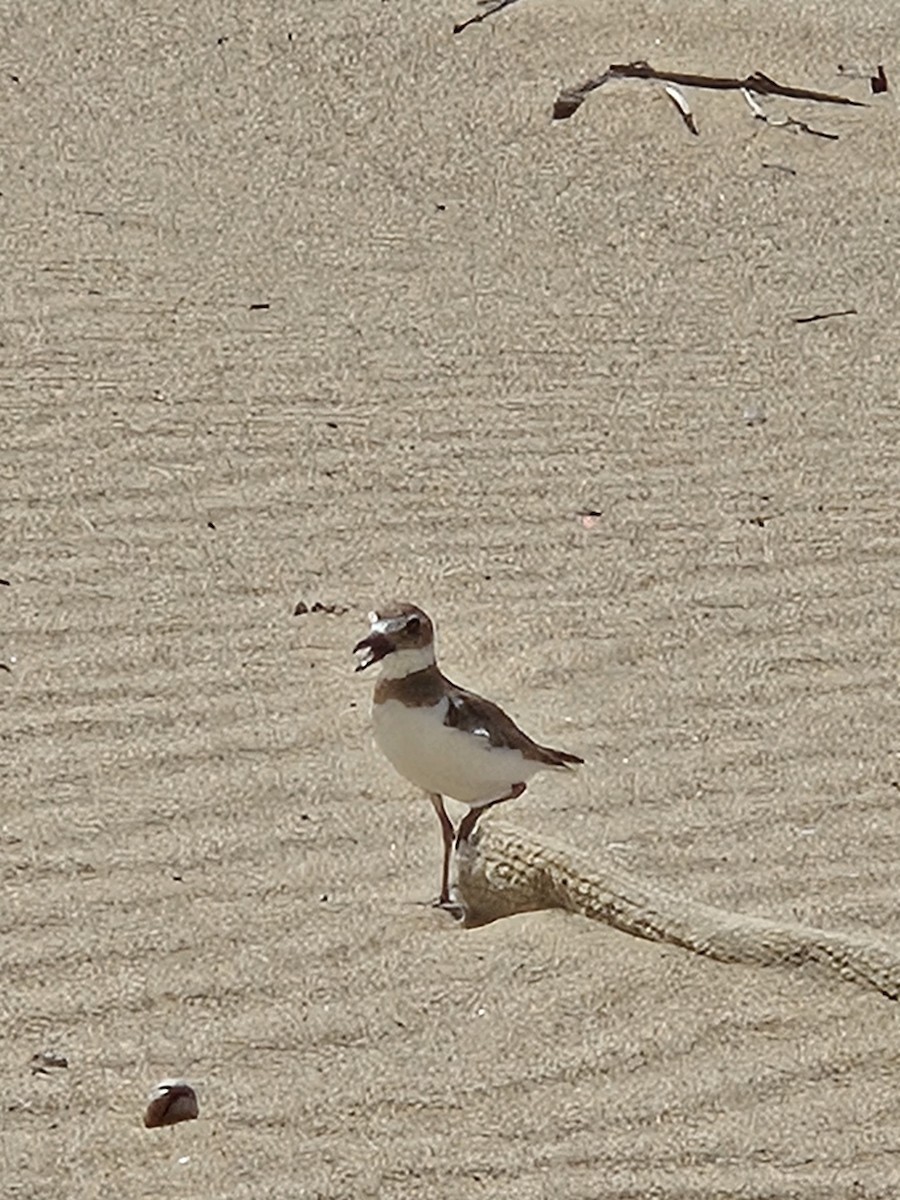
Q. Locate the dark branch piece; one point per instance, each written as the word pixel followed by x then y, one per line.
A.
pixel 570 100
pixel 482 16
pixel 804 128
pixel 844 312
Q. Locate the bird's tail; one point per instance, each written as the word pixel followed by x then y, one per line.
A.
pixel 561 758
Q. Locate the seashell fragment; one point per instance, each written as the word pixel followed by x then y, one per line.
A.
pixel 171 1101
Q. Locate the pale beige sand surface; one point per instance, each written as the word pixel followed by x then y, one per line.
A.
pixel 478 324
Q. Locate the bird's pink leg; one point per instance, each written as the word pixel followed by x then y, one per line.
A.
pixel 447 832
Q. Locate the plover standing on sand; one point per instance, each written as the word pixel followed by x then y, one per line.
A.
pixel 445 740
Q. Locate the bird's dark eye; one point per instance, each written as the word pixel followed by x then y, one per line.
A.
pixel 412 625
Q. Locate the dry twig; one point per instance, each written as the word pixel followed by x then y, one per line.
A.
pixel 482 16
pixel 570 100
pixel 782 122
pixel 826 316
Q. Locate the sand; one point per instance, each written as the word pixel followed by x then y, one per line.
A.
pixel 314 303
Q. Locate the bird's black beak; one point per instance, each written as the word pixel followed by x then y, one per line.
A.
pixel 376 646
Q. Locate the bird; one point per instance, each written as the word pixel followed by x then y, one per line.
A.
pixel 446 740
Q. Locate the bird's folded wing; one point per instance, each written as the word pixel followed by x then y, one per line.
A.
pixel 473 714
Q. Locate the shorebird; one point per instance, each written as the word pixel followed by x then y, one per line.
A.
pixel 445 740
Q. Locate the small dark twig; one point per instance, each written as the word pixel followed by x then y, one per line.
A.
pixel 804 128
pixel 844 312
pixel 782 122
pixel 482 16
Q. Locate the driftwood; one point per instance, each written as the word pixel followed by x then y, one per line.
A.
pixel 501 871
pixel 570 99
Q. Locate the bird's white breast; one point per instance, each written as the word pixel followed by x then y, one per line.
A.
pixel 439 758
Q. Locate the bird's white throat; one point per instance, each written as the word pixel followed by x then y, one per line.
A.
pixel 401 663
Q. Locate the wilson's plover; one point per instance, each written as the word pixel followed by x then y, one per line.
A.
pixel 445 740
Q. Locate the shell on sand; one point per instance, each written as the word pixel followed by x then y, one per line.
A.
pixel 171 1101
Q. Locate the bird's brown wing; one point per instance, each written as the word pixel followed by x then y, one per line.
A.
pixel 473 714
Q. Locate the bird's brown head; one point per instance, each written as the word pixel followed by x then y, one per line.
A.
pixel 397 629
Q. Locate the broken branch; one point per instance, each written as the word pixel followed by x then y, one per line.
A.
pixel 570 100
pixel 782 122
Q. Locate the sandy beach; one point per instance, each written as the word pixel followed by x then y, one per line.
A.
pixel 315 304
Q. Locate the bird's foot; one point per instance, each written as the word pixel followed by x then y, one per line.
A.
pixel 442 904
pixel 445 904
